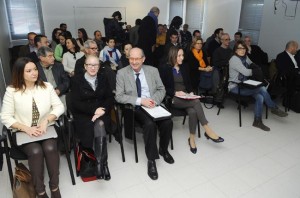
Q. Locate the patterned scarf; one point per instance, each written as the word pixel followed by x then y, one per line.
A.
pixel 244 62
pixel 199 57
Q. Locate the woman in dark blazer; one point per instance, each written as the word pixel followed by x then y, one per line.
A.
pixel 197 61
pixel 177 83
pixel 92 101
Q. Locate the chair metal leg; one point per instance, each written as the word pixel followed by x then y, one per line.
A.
pixel 239 107
pixel 135 146
pixel 8 162
pixel 119 129
pixel 267 109
pixel 199 134
pixel 172 146
pixel 219 111
pixel 183 120
pixel 61 129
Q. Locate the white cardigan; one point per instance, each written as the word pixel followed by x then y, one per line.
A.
pixel 17 105
pixel 69 62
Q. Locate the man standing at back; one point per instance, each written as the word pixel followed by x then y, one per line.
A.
pixel 30 47
pixel 147 34
pixel 140 85
pixel 39 41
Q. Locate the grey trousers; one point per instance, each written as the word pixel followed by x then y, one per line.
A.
pixel 193 109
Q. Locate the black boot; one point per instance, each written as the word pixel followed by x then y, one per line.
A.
pixel 99 142
pixel 259 124
pixel 104 162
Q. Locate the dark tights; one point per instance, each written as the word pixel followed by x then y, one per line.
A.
pixel 36 153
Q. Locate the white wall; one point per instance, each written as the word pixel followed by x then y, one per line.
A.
pixel 276 30
pixel 63 11
pixel 221 14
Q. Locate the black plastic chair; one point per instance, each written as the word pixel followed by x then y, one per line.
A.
pixel 16 154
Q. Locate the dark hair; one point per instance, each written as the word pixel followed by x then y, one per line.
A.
pixel 62 24
pixel 173 32
pixel 18 81
pixel 38 38
pixel 176 22
pixel 172 55
pixel 217 31
pixel 117 13
pixel 53 35
pixel 96 32
pixel 43 51
pixel 77 48
pixel 239 33
pixel 239 42
pixel 84 36
pixel 138 21
pixel 29 33
pixel 196 31
pixel 109 38
pixel 126 43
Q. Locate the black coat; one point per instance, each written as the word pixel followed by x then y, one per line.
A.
pixel 85 101
pixel 193 65
pixel 61 79
pixel 166 75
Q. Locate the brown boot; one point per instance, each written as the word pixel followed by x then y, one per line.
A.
pixel 259 124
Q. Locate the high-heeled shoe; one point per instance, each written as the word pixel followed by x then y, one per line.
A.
pixel 219 140
pixel 193 150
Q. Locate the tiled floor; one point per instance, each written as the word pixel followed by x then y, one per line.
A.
pixel 250 163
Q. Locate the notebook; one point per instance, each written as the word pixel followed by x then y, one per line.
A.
pixel 24 138
pixel 157 113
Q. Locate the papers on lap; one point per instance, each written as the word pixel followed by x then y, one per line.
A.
pixel 189 97
pixel 157 113
pixel 252 82
pixel 24 138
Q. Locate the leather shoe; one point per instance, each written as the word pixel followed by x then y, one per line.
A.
pixel 167 156
pixel 152 171
pixel 219 140
pixel 193 150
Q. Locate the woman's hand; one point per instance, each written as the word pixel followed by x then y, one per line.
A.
pixel 208 68
pixel 43 126
pixel 98 113
pixel 33 131
pixel 180 93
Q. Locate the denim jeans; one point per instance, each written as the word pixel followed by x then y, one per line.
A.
pixel 260 95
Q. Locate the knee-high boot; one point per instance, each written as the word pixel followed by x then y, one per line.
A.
pixel 99 154
pixel 105 164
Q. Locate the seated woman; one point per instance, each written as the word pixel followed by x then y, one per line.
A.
pixel 238 72
pixel 110 53
pixel 61 48
pixel 177 83
pixel 31 105
pixel 82 37
pixel 91 104
pixel 125 55
pixel 70 57
pixel 197 61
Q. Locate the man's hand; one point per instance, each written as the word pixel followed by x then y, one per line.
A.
pixel 148 102
pixel 57 91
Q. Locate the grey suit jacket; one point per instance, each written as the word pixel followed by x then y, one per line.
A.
pixel 126 92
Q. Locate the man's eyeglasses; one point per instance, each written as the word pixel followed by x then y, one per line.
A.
pixel 92 65
pixel 226 39
pixel 135 59
pixel 94 48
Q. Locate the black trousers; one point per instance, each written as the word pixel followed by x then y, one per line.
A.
pixel 150 127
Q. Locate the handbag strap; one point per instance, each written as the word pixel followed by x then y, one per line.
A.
pixel 22 173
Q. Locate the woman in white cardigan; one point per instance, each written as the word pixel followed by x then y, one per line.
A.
pixel 31 105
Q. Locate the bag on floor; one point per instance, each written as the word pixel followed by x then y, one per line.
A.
pixel 293 102
pixel 86 163
pixel 22 184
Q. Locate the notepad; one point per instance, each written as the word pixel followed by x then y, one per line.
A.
pixel 252 82
pixel 189 97
pixel 157 113
pixel 24 138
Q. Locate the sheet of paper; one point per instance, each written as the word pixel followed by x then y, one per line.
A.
pixel 189 97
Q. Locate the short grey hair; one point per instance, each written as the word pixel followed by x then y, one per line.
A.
pixel 43 51
pixel 290 44
pixel 88 42
pixel 155 9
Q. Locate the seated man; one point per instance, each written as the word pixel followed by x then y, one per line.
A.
pixel 30 47
pixel 53 72
pixel 39 41
pixel 140 85
pixel 257 56
pixel 288 66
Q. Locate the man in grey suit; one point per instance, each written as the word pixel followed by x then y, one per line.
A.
pixel 140 85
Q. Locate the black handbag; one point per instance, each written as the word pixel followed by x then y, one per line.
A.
pixel 86 163
pixel 206 80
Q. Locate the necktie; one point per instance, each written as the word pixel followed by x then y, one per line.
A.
pixel 138 85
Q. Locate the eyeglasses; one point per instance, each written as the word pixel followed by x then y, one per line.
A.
pixel 241 48
pixel 200 43
pixel 94 48
pixel 92 65
pixel 226 39
pixel 135 59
